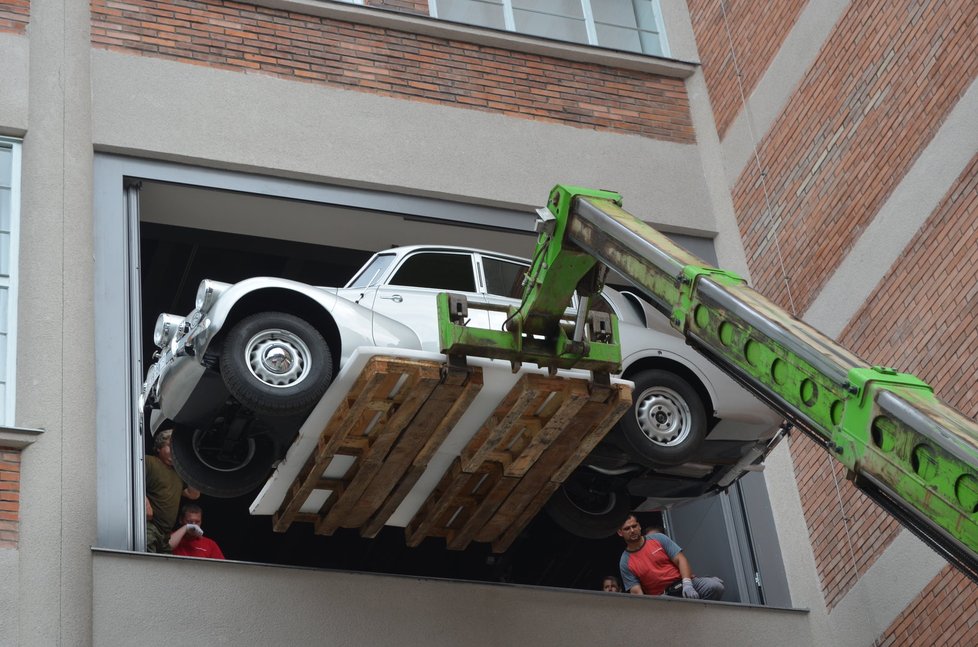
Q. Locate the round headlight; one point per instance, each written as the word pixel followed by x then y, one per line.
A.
pixel 207 293
pixel 166 327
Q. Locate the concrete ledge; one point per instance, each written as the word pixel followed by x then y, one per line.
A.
pixel 485 36
pixel 257 604
pixel 18 437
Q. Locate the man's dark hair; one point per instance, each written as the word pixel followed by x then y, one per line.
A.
pixel 188 508
pixel 624 520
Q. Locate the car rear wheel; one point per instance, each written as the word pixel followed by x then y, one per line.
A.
pixel 219 464
pixel 276 363
pixel 588 506
pixel 667 423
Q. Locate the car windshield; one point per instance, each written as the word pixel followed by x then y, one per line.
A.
pixel 370 275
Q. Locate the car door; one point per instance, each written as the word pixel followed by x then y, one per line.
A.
pixel 409 295
pixel 504 285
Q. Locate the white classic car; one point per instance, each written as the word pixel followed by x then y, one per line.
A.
pixel 236 377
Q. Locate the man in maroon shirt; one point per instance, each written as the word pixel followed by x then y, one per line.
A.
pixel 189 540
pixel 653 564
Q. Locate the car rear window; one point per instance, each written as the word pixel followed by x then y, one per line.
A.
pixel 436 271
pixel 504 278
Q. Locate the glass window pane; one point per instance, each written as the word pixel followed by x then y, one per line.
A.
pixel 618 38
pixel 3 357
pixel 4 254
pixel 568 8
pixel 651 42
pixel 6 160
pixel 436 271
pixel 4 209
pixel 370 275
pixel 550 26
pixel 485 13
pixel 4 294
pixel 617 12
pixel 503 278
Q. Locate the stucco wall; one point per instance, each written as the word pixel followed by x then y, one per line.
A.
pixel 265 605
pixel 13 84
pixel 172 110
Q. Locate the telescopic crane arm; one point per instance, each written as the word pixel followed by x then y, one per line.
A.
pixel 906 449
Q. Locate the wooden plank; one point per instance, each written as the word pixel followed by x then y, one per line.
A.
pixel 426 432
pixel 485 502
pixel 606 414
pixel 423 523
pixel 412 395
pixel 556 463
pixel 507 414
pixel 571 403
pixel 502 544
pixel 351 418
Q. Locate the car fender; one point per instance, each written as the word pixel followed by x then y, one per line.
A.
pixel 357 325
pixel 674 355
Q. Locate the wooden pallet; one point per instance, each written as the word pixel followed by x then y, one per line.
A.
pixel 537 436
pixel 396 415
pixel 399 412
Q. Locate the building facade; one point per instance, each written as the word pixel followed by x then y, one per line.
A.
pixel 826 149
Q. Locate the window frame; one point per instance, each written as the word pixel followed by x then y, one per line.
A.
pixel 590 26
pixel 11 280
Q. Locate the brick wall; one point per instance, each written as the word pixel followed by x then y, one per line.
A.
pixel 9 497
pixel 14 15
pixel 248 38
pixel 884 81
pixel 738 36
pixel 847 529
pixel 923 319
pixel 944 613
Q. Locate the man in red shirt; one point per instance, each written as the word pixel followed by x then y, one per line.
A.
pixel 653 564
pixel 189 540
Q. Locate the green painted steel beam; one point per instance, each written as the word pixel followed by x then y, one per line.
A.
pixel 900 442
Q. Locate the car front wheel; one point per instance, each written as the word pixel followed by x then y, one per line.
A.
pixel 275 363
pixel 219 464
pixel 667 423
pixel 588 505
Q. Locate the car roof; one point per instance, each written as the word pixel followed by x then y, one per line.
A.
pixel 410 249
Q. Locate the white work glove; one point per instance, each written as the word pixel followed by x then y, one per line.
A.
pixel 688 590
pixel 194 530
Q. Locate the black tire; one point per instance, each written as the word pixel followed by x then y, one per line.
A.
pixel 667 422
pixel 292 384
pixel 203 461
pixel 585 508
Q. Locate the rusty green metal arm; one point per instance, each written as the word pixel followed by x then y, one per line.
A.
pixel 906 449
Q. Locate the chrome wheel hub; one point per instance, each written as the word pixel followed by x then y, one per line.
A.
pixel 663 416
pixel 278 358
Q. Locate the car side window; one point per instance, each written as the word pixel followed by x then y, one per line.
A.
pixel 370 275
pixel 436 271
pixel 504 278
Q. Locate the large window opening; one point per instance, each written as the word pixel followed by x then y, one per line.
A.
pixel 9 234
pixel 191 225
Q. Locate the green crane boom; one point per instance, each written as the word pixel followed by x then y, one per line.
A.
pixel 910 452
pixel 913 454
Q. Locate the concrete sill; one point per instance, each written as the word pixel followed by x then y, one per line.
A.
pixel 18 437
